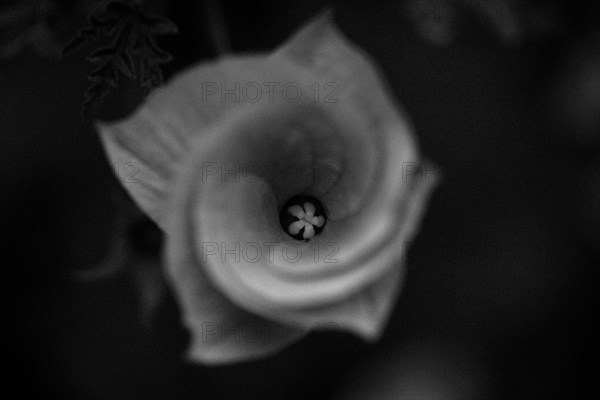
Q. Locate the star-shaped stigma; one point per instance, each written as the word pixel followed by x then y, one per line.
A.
pixel 302 217
pixel 307 220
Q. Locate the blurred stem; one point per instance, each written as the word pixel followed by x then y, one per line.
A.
pixel 217 27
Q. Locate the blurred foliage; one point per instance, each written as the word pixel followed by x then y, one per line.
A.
pixel 133 34
pixel 30 24
pixel 511 23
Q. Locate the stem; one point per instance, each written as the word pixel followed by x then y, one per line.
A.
pixel 217 27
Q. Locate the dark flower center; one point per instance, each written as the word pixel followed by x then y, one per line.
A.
pixel 302 217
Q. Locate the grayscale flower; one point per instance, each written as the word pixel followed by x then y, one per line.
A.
pixel 216 148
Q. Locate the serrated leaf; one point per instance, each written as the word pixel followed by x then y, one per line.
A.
pixel 159 54
pixel 102 53
pixel 128 60
pixel 125 67
pixel 159 25
pixel 132 35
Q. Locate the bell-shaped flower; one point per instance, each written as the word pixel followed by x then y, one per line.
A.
pixel 288 187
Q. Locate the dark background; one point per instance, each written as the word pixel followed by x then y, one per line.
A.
pixel 500 293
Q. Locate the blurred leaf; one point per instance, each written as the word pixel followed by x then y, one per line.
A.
pixel 133 32
pixel 160 25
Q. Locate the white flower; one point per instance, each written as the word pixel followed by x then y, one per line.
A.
pixel 201 145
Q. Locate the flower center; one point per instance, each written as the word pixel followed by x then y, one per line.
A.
pixel 302 217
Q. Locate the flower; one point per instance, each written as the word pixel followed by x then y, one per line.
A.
pixel 215 149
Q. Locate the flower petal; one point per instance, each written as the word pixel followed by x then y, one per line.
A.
pixel 318 221
pixel 296 211
pixel 295 227
pixel 309 231
pixel 221 332
pixel 310 209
